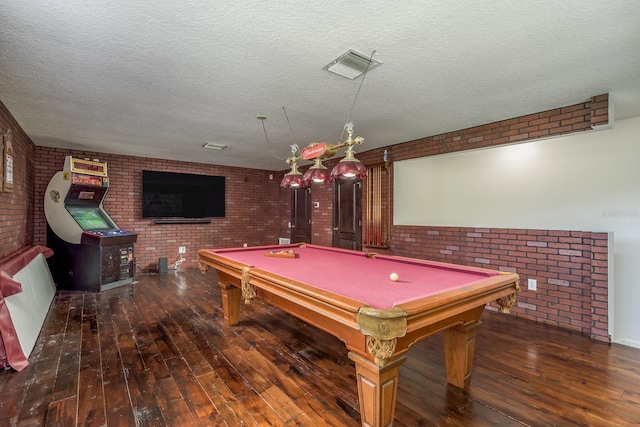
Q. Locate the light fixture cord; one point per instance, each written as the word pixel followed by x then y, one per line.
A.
pixel 290 127
pixel 357 93
pixel 269 142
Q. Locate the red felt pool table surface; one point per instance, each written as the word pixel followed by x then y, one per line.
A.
pixel 360 276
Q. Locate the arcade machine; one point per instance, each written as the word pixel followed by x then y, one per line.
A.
pixel 90 252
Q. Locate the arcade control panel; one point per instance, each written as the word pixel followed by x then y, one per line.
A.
pixel 107 237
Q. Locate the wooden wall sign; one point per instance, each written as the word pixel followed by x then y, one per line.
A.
pixel 8 162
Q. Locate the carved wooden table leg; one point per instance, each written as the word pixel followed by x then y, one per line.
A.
pixel 459 344
pixel 377 390
pixel 230 302
pixel 203 267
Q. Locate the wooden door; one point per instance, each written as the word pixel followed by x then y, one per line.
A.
pixel 301 215
pixel 347 214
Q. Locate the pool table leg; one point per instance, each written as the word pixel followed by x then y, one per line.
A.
pixel 230 303
pixel 459 344
pixel 377 390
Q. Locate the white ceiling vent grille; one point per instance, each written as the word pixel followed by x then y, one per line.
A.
pixel 351 64
pixel 214 146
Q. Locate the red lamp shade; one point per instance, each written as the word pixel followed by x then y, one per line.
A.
pixel 349 168
pixel 317 173
pixel 292 180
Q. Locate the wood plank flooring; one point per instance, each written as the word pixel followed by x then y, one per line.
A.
pixel 157 353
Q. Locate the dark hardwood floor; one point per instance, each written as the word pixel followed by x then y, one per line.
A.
pixel 158 353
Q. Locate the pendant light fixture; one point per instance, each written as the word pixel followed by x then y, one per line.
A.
pixel 349 166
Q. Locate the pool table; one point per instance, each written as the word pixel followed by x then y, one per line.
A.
pixel 351 295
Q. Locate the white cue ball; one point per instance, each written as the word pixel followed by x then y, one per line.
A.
pixel 394 277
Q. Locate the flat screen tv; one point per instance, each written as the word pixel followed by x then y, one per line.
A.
pixel 182 195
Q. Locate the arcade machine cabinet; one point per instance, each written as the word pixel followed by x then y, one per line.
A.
pixel 90 252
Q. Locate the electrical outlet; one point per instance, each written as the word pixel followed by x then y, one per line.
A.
pixel 244 245
pixel 182 250
pixel 532 284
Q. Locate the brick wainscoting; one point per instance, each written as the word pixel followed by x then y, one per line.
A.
pixel 570 267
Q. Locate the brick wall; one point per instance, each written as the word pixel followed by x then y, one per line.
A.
pixel 16 208
pixel 559 121
pixel 253 211
pixel 322 217
pixel 570 266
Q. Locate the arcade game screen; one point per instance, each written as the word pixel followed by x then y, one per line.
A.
pixel 90 218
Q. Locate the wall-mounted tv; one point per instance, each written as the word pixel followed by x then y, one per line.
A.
pixel 182 195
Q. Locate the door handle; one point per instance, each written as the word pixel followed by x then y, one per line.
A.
pixel 335 228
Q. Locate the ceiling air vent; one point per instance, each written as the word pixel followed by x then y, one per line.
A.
pixel 214 146
pixel 351 64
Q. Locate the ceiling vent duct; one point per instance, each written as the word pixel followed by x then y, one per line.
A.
pixel 351 64
pixel 214 146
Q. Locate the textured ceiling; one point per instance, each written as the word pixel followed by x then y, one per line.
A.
pixel 160 78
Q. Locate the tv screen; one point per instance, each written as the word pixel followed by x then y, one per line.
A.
pixel 90 218
pixel 182 195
